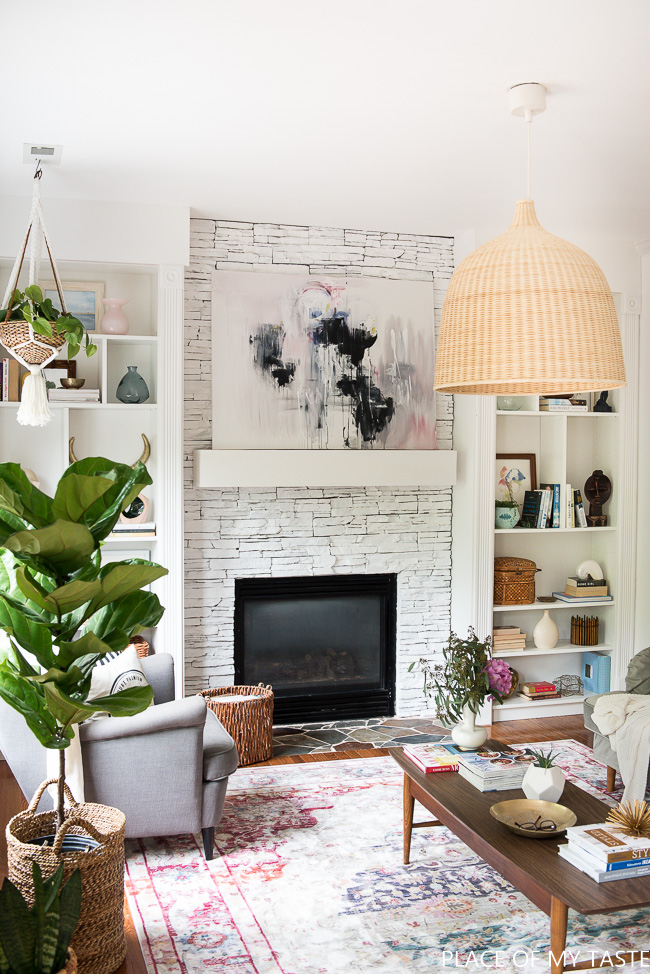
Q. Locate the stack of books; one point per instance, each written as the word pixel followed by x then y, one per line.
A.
pixel 548 405
pixel 143 529
pixel 541 690
pixel 9 380
pixel 605 853
pixel 493 770
pixel 507 637
pixel 585 588
pixel 575 512
pixel 541 508
pixel 74 396
pixel 431 758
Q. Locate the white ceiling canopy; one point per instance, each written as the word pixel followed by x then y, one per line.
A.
pixel 358 113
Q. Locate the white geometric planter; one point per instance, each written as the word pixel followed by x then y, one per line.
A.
pixel 543 784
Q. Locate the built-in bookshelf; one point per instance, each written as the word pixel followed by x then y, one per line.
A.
pixel 115 430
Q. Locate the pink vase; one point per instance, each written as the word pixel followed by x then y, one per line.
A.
pixel 114 321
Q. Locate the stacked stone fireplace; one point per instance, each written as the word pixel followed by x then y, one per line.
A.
pixel 283 533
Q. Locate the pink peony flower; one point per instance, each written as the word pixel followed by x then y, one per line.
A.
pixel 500 676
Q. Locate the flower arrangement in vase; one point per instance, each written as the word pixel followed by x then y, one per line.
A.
pixel 461 684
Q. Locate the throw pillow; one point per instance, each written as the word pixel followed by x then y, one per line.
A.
pixel 115 672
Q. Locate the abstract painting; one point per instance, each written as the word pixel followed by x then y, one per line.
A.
pixel 304 363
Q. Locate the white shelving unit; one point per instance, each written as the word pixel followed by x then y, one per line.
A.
pixel 113 429
pixel 567 447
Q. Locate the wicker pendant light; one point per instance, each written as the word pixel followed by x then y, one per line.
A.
pixel 528 312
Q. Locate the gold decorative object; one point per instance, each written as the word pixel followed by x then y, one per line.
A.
pixel 144 456
pixel 521 814
pixel 631 819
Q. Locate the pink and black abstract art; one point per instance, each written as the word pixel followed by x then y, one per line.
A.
pixel 322 364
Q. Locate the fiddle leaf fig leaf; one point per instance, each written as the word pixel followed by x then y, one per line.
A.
pixel 86 645
pixel 29 631
pixel 32 590
pixel 128 482
pixel 76 494
pixel 131 614
pixel 64 545
pixel 123 578
pixel 126 703
pixel 72 595
pixel 29 700
pixel 19 496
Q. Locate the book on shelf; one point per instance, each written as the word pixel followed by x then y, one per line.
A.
pixel 538 686
pixel 580 516
pixel 607 843
pixel 570 509
pixel 553 515
pixel 73 395
pixel 530 509
pixel 587 582
pixel 541 696
pixel 586 593
pixel 578 599
pixel 599 875
pixel 432 758
pixel 144 529
pixel 577 404
pixel 10 384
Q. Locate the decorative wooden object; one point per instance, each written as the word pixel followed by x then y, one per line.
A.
pixel 598 490
pixel 584 630
pixel 514 581
pixel 249 722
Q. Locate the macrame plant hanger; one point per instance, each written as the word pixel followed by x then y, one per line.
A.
pixel 19 338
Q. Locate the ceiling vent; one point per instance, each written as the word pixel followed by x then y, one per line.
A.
pixel 46 152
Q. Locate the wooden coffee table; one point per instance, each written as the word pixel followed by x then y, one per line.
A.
pixel 532 866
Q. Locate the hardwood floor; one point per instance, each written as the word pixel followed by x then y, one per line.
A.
pixel 508 732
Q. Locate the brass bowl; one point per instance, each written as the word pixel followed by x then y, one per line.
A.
pixel 72 383
pixel 527 810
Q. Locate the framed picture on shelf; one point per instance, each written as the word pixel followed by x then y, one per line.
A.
pixel 62 368
pixel 82 299
pixel 515 474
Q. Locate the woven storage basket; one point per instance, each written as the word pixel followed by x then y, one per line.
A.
pixel 249 722
pixel 142 647
pixel 514 581
pixel 99 938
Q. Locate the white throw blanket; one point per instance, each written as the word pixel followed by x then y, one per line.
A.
pixel 625 719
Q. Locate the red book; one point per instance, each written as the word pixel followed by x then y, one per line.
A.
pixel 431 757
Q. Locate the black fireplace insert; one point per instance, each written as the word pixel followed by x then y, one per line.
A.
pixel 326 644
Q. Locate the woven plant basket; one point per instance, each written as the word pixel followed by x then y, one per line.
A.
pixel 70 964
pixel 142 647
pixel 13 335
pixel 514 581
pixel 249 722
pixel 98 941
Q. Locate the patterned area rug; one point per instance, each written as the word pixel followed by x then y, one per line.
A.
pixel 309 879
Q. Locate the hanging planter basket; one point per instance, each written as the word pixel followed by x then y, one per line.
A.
pixel 30 346
pixel 98 940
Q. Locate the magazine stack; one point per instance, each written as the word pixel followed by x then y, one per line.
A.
pixel 491 770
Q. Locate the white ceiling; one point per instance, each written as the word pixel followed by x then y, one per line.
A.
pixel 389 114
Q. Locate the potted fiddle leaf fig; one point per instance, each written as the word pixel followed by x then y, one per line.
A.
pixel 61 609
pixel 36 939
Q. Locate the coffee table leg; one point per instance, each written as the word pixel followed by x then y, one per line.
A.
pixel 559 916
pixel 409 804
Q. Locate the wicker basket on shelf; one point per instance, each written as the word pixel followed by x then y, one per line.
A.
pixel 514 581
pixel 142 647
pixel 247 714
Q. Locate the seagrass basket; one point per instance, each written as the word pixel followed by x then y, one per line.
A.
pixel 514 581
pixel 142 647
pixel 98 940
pixel 16 335
pixel 249 722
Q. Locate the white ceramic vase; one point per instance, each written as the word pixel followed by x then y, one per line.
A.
pixel 114 321
pixel 545 633
pixel 543 784
pixel 466 734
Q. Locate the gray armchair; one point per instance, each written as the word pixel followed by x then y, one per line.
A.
pixel 636 681
pixel 167 768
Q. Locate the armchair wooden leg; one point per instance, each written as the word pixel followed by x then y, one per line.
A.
pixel 611 778
pixel 208 842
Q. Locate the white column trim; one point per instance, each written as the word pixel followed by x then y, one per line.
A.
pixel 169 486
pixel 627 489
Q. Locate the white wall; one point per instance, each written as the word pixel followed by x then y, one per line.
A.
pixel 89 230
pixel 642 633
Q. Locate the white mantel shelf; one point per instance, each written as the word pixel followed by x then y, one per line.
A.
pixel 222 469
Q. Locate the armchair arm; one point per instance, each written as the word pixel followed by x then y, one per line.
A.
pixel 189 712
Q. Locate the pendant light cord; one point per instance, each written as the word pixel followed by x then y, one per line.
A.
pixel 529 119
